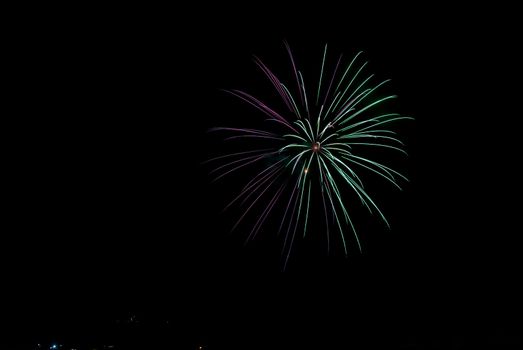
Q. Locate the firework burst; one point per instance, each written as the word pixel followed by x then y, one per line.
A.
pixel 311 148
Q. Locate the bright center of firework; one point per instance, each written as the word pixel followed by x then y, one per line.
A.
pixel 315 146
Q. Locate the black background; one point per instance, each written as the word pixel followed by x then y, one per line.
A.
pixel 113 213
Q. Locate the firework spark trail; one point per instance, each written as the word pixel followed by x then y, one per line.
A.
pixel 314 149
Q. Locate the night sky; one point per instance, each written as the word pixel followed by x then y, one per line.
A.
pixel 114 232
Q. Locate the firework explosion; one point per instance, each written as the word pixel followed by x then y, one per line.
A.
pixel 310 149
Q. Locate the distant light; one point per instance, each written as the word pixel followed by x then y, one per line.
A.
pixel 54 346
pixel 306 170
